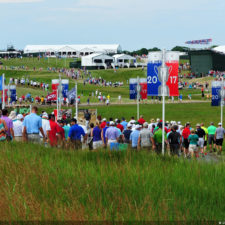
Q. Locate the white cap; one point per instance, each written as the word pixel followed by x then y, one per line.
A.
pixel 111 123
pixel 104 119
pixel 145 124
pixel 45 115
pixel 220 124
pixel 19 117
pixel 179 123
pixel 137 126
pixel 129 125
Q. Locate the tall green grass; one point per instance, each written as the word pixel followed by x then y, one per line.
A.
pixel 49 184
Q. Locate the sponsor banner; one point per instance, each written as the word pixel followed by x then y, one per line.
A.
pixel 52 96
pixel 144 91
pixel 1 82
pixel 55 84
pixel 216 93
pixel 12 89
pixel 133 89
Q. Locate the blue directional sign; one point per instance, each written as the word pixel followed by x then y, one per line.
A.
pixel 133 89
pixel 216 93
pixel 153 78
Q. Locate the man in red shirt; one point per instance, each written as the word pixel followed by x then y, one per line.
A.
pixel 103 124
pixel 53 132
pixel 141 120
pixel 185 134
pixel 120 126
pixel 61 134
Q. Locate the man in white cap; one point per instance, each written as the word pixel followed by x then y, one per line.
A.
pixel 219 136
pixel 112 134
pixel 134 137
pixel 18 128
pixel 145 139
pixel 46 127
pixel 127 133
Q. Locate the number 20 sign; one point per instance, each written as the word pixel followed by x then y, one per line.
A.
pixel 153 81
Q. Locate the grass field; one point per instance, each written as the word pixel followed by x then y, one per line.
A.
pixel 43 184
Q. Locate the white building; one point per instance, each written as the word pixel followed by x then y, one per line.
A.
pixel 72 50
pixel 97 60
pixel 123 60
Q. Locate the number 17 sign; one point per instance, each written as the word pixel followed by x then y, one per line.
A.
pixel 154 81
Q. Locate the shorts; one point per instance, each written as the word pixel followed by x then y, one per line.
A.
pixel 211 139
pixel 186 143
pixel 201 142
pixel 97 145
pixel 192 148
pixel 205 143
pixel 219 142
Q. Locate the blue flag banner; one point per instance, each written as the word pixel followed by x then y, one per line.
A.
pixel 133 89
pixel 71 95
pixel 216 93
pixel 65 88
pixel 13 93
pixel 1 82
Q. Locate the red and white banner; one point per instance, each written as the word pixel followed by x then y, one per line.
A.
pixel 52 96
pixel 6 95
pixel 144 90
pixel 55 84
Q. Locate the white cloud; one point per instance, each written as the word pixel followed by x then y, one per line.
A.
pixel 20 1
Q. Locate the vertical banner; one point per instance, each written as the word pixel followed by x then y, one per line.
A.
pixel 216 93
pixel 172 62
pixel 154 81
pixel 133 89
pixel 55 84
pixel 65 88
pixel 6 95
pixel 12 89
pixel 1 82
pixel 144 89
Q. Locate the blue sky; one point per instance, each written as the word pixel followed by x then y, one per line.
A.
pixel 132 23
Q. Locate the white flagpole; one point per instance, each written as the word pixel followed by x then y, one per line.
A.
pixel 8 94
pixel 163 74
pixel 3 89
pixel 57 104
pixel 138 98
pixel 76 102
pixel 222 100
pixel 60 91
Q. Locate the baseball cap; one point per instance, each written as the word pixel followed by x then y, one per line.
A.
pixel 45 115
pixel 179 123
pixel 145 124
pixel 19 117
pixel 104 119
pixel 220 124
pixel 129 125
pixel 137 126
pixel 111 123
pixel 198 125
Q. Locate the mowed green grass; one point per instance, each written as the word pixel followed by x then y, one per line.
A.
pixel 48 184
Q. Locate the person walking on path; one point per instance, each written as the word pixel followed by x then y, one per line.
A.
pixel 211 137
pixel 219 136
pixel 185 134
pixel 18 128
pixel 3 130
pixel 9 124
pixel 193 140
pixel 32 126
pixel 112 134
pixel 174 140
pixel 145 138
pixel 97 137
pixel 201 138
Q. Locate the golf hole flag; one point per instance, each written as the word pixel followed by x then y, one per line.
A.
pixel 133 88
pixel 154 79
pixel 216 93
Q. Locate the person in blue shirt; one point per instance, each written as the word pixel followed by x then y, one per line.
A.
pixel 32 126
pixel 75 134
pixel 124 123
pixel 135 136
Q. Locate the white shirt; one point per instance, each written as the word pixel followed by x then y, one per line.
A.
pixel 18 128
pixel 45 126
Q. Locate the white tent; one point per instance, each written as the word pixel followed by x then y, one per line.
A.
pixel 123 60
pixel 220 49
pixel 97 60
pixel 80 50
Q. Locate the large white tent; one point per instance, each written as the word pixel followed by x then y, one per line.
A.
pixel 72 50
pixel 123 60
pixel 97 60
pixel 220 49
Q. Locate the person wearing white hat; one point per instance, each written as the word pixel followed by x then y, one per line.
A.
pixel 219 136
pixel 46 127
pixel 112 134
pixel 18 128
pixel 134 137
pixel 127 133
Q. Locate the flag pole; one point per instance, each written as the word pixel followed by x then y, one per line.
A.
pixel 57 94
pixel 3 89
pixel 76 102
pixel 163 74
pixel 222 100
pixel 8 94
pixel 138 98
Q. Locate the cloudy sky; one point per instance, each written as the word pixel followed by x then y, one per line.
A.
pixel 132 23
